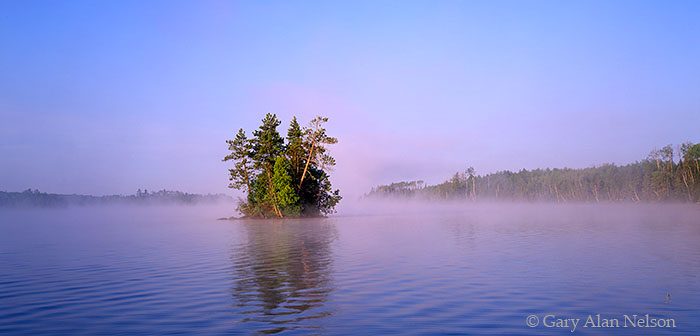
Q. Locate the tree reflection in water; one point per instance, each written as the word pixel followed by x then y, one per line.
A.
pixel 283 274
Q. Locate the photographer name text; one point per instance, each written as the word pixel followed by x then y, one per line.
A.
pixel 600 321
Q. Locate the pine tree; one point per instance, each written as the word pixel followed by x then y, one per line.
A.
pixel 241 175
pixel 287 198
pixel 295 150
pixel 314 140
pixel 267 145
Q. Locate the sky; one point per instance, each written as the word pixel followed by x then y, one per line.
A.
pixel 105 97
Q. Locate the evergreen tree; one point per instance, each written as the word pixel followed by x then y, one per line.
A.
pixel 267 145
pixel 327 198
pixel 314 140
pixel 287 198
pixel 295 150
pixel 241 174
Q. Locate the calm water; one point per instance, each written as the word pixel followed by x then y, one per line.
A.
pixel 475 270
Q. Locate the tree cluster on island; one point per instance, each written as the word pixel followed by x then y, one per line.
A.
pixel 665 175
pixel 283 179
pixel 35 198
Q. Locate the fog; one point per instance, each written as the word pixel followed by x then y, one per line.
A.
pixel 224 207
pixel 513 211
pixel 506 211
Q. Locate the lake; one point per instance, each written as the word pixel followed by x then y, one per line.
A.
pixel 416 269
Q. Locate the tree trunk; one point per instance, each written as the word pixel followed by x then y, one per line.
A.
pixel 690 172
pixel 473 188
pixel 635 192
pixel 274 195
pixel 488 185
pixel 687 188
pixel 595 192
pixel 306 167
pixel 247 180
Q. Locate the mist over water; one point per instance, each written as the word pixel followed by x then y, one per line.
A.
pixel 375 268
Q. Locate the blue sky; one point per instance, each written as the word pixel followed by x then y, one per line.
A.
pixel 106 97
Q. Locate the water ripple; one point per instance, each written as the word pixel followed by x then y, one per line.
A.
pixel 472 271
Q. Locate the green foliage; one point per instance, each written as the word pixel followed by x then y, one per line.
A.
pixel 658 178
pixel 240 150
pixel 326 197
pixel 295 149
pixel 314 143
pixel 267 143
pixel 287 198
pixel 283 180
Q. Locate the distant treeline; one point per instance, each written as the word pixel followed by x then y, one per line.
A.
pixel 35 198
pixel 665 175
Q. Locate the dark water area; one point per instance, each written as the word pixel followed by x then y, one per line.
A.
pixel 481 269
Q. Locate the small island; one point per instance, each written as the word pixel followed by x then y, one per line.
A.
pixel 283 179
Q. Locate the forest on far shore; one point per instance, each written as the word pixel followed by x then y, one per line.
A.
pixel 35 198
pixel 665 175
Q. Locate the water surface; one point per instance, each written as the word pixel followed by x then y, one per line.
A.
pixel 428 270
